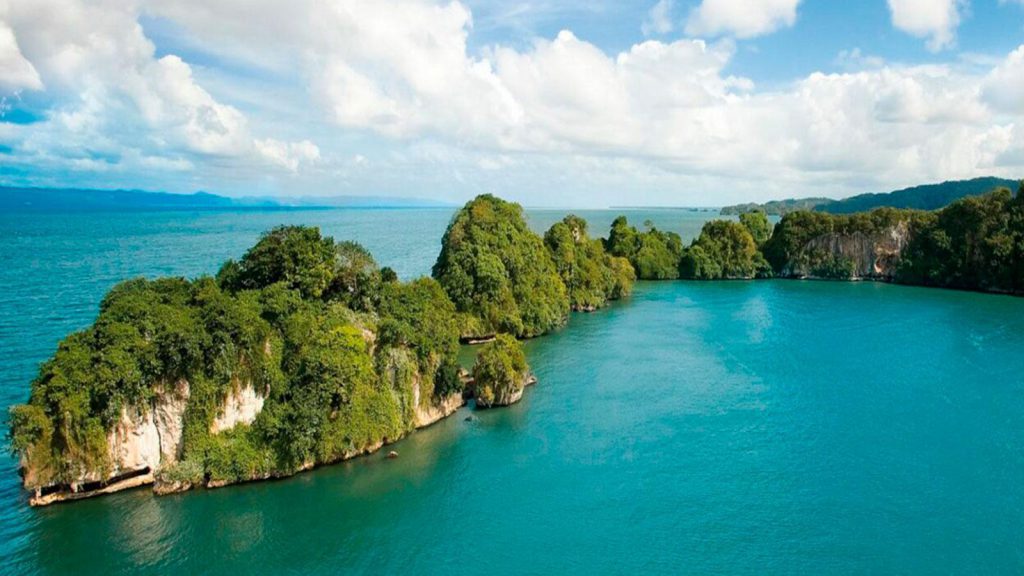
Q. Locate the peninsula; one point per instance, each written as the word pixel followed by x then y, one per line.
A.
pixel 305 352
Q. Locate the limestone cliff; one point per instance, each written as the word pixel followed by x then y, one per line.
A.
pixel 146 439
pixel 142 440
pixel 242 405
pixel 856 256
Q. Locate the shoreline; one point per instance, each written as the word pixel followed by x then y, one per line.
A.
pixel 444 410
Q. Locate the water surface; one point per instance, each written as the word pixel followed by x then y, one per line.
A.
pixel 734 428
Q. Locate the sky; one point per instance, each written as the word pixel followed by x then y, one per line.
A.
pixel 549 103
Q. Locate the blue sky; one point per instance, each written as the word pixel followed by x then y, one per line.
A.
pixel 685 102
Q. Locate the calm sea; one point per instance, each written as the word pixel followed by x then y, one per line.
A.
pixel 721 428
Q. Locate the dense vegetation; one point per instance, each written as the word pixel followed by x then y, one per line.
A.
pixel 342 351
pixel 653 254
pixel 500 372
pixel 793 233
pixel 975 243
pixel 591 276
pixel 927 197
pixel 498 272
pixel 726 250
pixel 295 319
pixel 777 207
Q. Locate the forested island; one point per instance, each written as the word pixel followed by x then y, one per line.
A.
pixel 925 197
pixel 305 352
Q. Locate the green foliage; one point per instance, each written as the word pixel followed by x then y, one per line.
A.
pixel 420 316
pixel 280 320
pixel 927 197
pixel 356 280
pixel 975 243
pixel 796 230
pixel 778 207
pixel 495 269
pixel 726 250
pixel 654 254
pixel 591 276
pixel 295 255
pixel 757 224
pixel 500 372
pixel 300 259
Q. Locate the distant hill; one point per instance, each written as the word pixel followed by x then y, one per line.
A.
pixel 927 197
pixel 777 207
pixel 17 199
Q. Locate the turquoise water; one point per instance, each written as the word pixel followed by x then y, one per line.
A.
pixel 732 428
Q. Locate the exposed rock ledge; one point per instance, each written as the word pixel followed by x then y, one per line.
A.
pixel 143 441
pixel 856 256
pixel 513 396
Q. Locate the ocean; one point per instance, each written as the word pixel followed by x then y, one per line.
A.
pixel 772 427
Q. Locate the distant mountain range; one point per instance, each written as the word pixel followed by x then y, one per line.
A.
pixel 927 197
pixel 73 199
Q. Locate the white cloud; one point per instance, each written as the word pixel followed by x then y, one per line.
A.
pixel 741 18
pixel 288 154
pixel 114 101
pixel 936 20
pixel 659 18
pixel 396 81
pixel 15 71
pixel 1004 86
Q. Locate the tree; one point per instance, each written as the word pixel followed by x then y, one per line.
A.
pixel 296 255
pixel 500 372
pixel 591 276
pixel 653 254
pixel 757 224
pixel 724 249
pixel 356 279
pixel 497 271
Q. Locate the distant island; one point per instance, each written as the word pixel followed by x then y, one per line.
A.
pixel 927 197
pixel 21 199
pixel 305 352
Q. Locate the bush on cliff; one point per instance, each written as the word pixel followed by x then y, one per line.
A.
pixel 500 372
pixel 975 243
pixel 317 267
pixel 757 224
pixel 797 229
pixel 654 254
pixel 724 250
pixel 498 271
pixel 591 276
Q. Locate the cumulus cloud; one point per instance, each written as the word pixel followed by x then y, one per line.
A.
pixel 936 20
pixel 659 18
pixel 1004 86
pixel 15 71
pixel 115 102
pixel 741 18
pixel 288 155
pixel 560 111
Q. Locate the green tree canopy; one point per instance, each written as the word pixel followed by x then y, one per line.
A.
pixel 498 271
pixel 500 372
pixel 757 224
pixel 591 276
pixel 653 254
pixel 724 250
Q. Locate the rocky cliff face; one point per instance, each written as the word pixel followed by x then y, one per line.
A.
pixel 242 405
pixel 141 441
pixel 855 256
pixel 147 438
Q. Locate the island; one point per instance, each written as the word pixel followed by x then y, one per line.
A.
pixel 305 352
